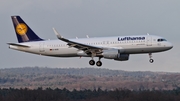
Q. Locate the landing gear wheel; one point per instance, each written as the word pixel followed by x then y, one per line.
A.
pixel 92 62
pixel 99 63
pixel 151 60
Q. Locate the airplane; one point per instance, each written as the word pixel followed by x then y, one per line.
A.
pixel 117 48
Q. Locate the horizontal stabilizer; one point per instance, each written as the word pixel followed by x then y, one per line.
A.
pixel 15 44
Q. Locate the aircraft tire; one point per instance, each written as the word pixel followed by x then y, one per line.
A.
pixel 151 60
pixel 92 62
pixel 99 63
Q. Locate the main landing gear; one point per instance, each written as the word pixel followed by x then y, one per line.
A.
pixel 92 62
pixel 98 63
pixel 150 56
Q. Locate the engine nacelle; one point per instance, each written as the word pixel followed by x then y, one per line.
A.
pixel 115 54
pixel 122 57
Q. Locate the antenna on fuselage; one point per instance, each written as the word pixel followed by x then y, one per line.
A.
pixel 87 36
pixel 147 33
pixel 76 37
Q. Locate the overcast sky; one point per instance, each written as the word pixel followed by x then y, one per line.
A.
pixel 95 18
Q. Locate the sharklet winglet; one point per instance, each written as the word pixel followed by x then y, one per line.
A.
pixel 57 34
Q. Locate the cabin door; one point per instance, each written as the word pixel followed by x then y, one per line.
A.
pixel 149 41
pixel 41 47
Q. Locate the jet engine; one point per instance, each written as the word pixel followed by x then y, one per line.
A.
pixel 115 54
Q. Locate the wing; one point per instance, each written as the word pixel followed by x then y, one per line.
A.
pixel 88 49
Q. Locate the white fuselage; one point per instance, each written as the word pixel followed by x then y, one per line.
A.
pixel 126 44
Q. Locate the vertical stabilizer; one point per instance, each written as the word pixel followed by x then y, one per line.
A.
pixel 23 31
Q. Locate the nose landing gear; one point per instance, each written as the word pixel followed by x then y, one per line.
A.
pixel 151 60
pixel 150 56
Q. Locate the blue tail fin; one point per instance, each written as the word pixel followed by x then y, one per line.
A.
pixel 23 31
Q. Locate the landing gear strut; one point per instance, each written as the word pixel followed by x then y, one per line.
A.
pixel 92 62
pixel 150 56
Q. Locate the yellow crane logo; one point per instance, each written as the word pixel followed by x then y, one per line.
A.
pixel 21 29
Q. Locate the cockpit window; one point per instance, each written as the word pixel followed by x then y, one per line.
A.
pixel 159 40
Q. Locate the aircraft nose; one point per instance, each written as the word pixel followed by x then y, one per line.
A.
pixel 169 45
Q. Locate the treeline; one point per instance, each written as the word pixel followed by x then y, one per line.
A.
pixel 86 78
pixel 8 80
pixel 49 94
pixel 74 71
